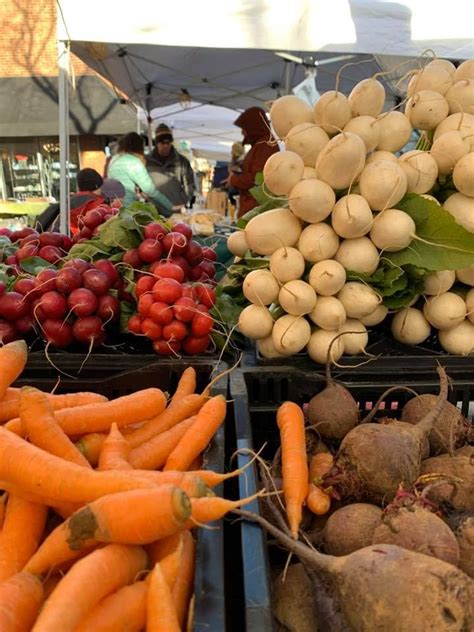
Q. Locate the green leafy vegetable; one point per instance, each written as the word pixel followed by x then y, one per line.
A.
pixel 126 310
pixel 33 265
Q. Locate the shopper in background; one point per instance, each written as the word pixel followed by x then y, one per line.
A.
pixel 171 172
pixel 237 158
pixel 113 192
pixel 113 149
pixel 128 167
pixel 255 129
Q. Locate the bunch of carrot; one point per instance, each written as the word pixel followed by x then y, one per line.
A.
pixel 124 475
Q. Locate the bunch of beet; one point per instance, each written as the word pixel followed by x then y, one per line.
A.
pixel 90 222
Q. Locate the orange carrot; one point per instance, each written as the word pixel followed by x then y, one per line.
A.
pixel 10 404
pixel 123 610
pixel 115 451
pixel 90 580
pixel 168 552
pixel 154 453
pixel 3 504
pixel 20 599
pixel 38 420
pixel 317 500
pixel 290 420
pixel 23 527
pixel 186 384
pixel 13 358
pixel 161 614
pixel 35 471
pixel 90 446
pixel 50 583
pixel 320 465
pixel 198 436
pixel 196 464
pixel 184 584
pixel 190 617
pixel 189 482
pixel 176 412
pixel 128 518
pixel 210 508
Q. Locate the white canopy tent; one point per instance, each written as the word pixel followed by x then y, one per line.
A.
pixel 239 53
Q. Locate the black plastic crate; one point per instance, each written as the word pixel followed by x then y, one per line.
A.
pixel 257 391
pixel 116 376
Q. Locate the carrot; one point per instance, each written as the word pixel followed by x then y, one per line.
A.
pixel 154 453
pixel 128 518
pixel 190 617
pixel 10 404
pixel 320 465
pixel 317 500
pixel 161 614
pixel 91 579
pixel 90 446
pixel 20 599
pixel 13 357
pixel 198 436
pixel 115 451
pixel 176 412
pixel 196 464
pixel 21 533
pixel 3 504
pixel 168 552
pixel 50 583
pixel 123 610
pixel 210 508
pixel 193 485
pixel 186 384
pixel 290 420
pixel 35 471
pixel 38 420
pixel 184 584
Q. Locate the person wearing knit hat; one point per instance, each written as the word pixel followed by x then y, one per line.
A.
pixel 112 189
pixel 88 180
pixel 170 171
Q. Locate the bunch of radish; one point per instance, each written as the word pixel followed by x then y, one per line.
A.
pixel 27 242
pixel 343 178
pixel 173 314
pixel 90 222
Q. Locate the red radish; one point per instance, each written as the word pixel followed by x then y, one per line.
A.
pixel 82 302
pixel 53 304
pixel 26 231
pixel 51 254
pixel 150 250
pixel 175 331
pixel 13 306
pixel 57 332
pixel 68 279
pixel 67 243
pixel 24 325
pixel 96 281
pixel 3 288
pixel 85 233
pixel 208 268
pixel 193 253
pixel 37 311
pixel 194 345
pixel 167 290
pixel 46 280
pixel 132 258
pixel 188 292
pixel 29 239
pixel 209 253
pixel 51 239
pixel 144 304
pixel 134 324
pixel 184 229
pixel 108 308
pixel 15 236
pixel 144 284
pixel 92 218
pixel 195 272
pixel 78 264
pixel 151 329
pixel 167 270
pixel 25 285
pixel 88 330
pixel 108 267
pixel 205 295
pixel 202 324
pixel 161 313
pixel 7 332
pixel 184 309
pixel 107 216
pixel 26 251
pixel 175 243
pixel 6 232
pixel 182 263
pixel 155 230
pixel 10 260
pixel 167 348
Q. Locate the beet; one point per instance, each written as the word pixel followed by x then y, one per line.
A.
pixel 449 428
pixel 404 426
pixel 294 604
pixel 463 528
pixel 458 494
pixel 351 528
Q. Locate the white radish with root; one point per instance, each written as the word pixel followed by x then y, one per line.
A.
pixel 266 348
pixel 443 63
pixel 383 184
pixel 410 326
pixel 395 130
pixel 358 255
pixel 255 322
pixel 445 311
pixel 318 242
pixel 358 299
pixel 312 200
pixel 460 97
pixel 461 207
pixel 320 342
pixel 363 126
pixel 329 313
pixel 439 282
pixel 269 231
pixel 341 161
pixel 376 317
pixel 309 173
pixel 288 111
pixel 463 175
pixel 433 77
pixel 367 98
pixel 458 340
pixel 237 243
pixel 332 112
pixel 287 264
pixel 470 305
pixel 448 149
pixel 297 298
pixel 460 122
pixel 466 275
pixel 392 230
pixel 260 287
pixel 282 171
pixel 355 343
pixel 327 277
pixel 380 155
pixel 352 217
pixel 421 171
pixel 290 334
pixel 464 70
pixel 306 140
pixel 426 109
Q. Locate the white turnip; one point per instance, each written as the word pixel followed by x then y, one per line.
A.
pixel 308 173
pixel 363 126
pixel 461 207
pixel 341 161
pixel 458 340
pixel 358 255
pixel 394 131
pixel 439 282
pixel 255 322
pixel 266 348
pixel 463 175
pixel 433 77
pixel 421 170
pixel 354 343
pixel 470 305
pixel 260 287
pixel 306 140
pixel 329 313
pixel 351 217
pixel 461 122
pixel 464 70
pixel 318 242
pixel 367 98
pixel 380 155
pixel 237 244
pixel 392 230
pixel 445 311
pixel 460 97
pixel 426 109
pixel 312 200
pixel 410 326
pixel 332 112
pixel 466 275
pixel 282 171
pixel 287 264
pixel 443 63
pixel 288 111
pixel 376 317
pixel 297 298
pixel 269 231
pixel 359 300
pixel 383 184
pixel 447 149
pixel 327 277
pixel 290 334
pixel 318 347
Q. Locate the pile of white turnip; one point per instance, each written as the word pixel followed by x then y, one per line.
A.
pixel 341 179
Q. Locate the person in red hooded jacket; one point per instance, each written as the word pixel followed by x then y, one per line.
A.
pixel 256 132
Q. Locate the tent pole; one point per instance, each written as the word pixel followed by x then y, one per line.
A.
pixel 287 77
pixel 63 90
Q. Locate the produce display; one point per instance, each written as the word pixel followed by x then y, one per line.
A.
pixel 101 503
pixel 350 232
